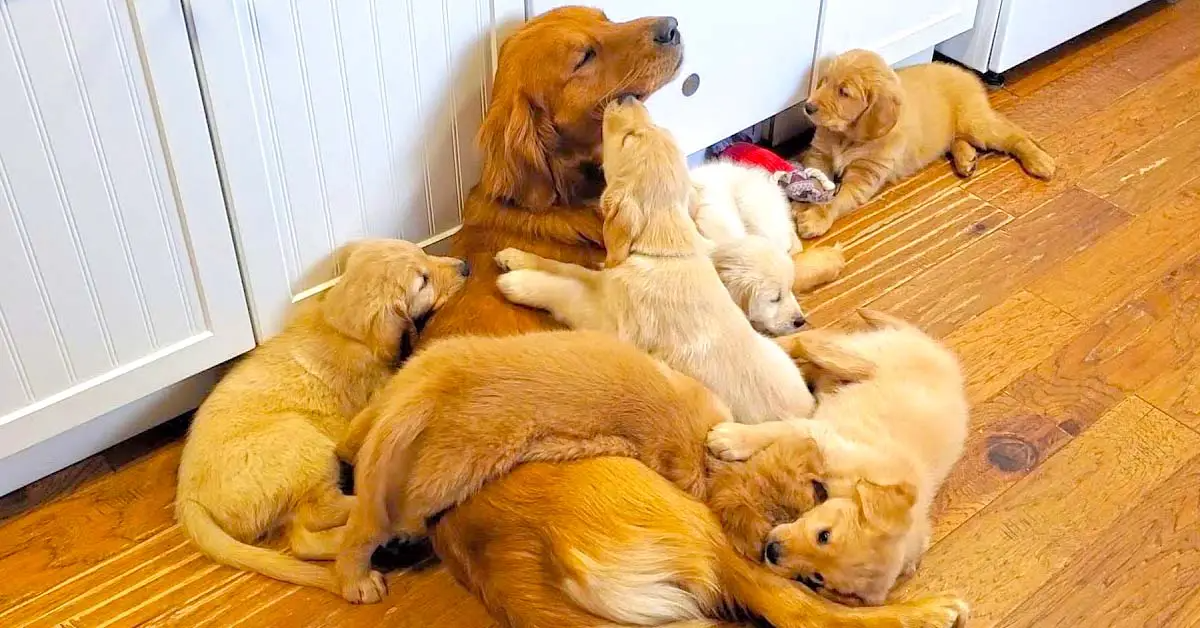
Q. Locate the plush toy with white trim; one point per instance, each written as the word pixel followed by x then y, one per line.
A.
pixel 802 185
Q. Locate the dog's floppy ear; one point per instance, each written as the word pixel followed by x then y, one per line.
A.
pixel 516 137
pixel 360 306
pixel 883 107
pixel 886 507
pixel 882 320
pixel 825 350
pixel 624 221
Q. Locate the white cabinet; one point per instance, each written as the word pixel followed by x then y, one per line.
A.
pixel 340 119
pixel 120 276
pixel 896 30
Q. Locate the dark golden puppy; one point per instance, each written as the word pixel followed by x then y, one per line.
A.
pixel 876 125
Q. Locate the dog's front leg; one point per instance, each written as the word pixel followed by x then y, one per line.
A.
pixel 738 441
pixel 570 301
pixel 861 180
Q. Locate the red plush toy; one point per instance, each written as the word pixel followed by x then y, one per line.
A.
pixel 804 185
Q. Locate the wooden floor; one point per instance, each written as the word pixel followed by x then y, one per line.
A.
pixel 1075 306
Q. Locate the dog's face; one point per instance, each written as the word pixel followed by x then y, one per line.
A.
pixel 857 95
pixel 646 196
pixel 386 288
pixel 774 487
pixel 759 277
pixel 849 549
pixel 554 77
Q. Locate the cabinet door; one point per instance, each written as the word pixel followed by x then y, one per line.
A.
pixel 120 275
pixel 336 120
pixel 896 30
pixel 752 59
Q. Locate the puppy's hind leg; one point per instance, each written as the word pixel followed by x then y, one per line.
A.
pixel 992 131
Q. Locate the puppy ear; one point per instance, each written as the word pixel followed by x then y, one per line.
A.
pixel 623 223
pixel 886 507
pixel 516 137
pixel 882 320
pixel 738 497
pixel 824 350
pixel 360 307
pixel 883 108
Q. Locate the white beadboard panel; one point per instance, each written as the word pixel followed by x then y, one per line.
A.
pixel 337 119
pixel 896 30
pixel 120 274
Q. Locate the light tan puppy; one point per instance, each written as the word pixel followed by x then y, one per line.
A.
pixel 466 411
pixel 876 125
pixel 889 440
pixel 659 290
pixel 260 453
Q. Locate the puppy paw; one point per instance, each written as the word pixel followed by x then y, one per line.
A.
pixel 734 441
pixel 517 286
pixel 368 589
pixel 940 612
pixel 1039 164
pixel 813 222
pixel 513 259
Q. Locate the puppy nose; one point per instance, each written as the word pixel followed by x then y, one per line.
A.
pixel 772 552
pixel 810 107
pixel 666 32
pixel 627 99
pixel 464 268
pixel 799 322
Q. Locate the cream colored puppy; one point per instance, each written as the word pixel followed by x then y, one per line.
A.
pixel 890 437
pixel 260 453
pixel 758 256
pixel 660 290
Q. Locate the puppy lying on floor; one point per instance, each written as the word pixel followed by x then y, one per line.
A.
pixel 466 411
pixel 889 440
pixel 758 257
pixel 260 453
pixel 876 125
pixel 659 290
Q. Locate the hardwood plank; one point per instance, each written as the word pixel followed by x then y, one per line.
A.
pixel 1096 280
pixel 984 274
pixel 1001 344
pixel 1083 144
pixel 1007 442
pixel 1149 343
pixel 1139 181
pixel 52 486
pixel 1140 572
pixel 1019 542
pixel 1177 392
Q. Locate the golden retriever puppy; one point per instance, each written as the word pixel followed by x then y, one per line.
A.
pixel 260 453
pixel 876 125
pixel 660 290
pixel 888 439
pixel 468 410
pixel 607 542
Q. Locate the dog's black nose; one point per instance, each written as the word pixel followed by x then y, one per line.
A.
pixel 465 269
pixel 799 322
pixel 772 552
pixel 666 32
pixel 810 107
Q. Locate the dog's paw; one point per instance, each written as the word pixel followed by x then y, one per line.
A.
pixel 513 259
pixel 733 441
pixel 1039 164
pixel 813 222
pixel 515 286
pixel 368 589
pixel 941 611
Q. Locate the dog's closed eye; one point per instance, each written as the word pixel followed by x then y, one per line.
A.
pixel 588 56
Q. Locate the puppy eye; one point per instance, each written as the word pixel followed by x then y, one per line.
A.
pixel 424 281
pixel 820 492
pixel 778 298
pixel 823 537
pixel 588 55
pixel 845 91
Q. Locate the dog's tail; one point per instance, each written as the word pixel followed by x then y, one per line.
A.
pixel 198 524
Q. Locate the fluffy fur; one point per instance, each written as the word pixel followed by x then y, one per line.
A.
pixel 660 291
pixel 762 263
pixel 468 410
pixel 876 125
pixel 889 440
pixel 260 453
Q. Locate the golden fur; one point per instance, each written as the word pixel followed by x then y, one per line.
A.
pixel 660 291
pixel 889 440
pixel 876 125
pixel 468 410
pixel 260 453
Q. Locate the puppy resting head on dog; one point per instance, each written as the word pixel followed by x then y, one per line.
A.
pixel 554 77
pixel 858 96
pixel 759 277
pixel 387 287
pixel 645 201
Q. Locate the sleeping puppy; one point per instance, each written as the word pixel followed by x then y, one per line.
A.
pixel 660 290
pixel 876 125
pixel 466 411
pixel 747 217
pixel 260 453
pixel 889 439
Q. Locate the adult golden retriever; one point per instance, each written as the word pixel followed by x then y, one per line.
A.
pixel 541 141
pixel 876 125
